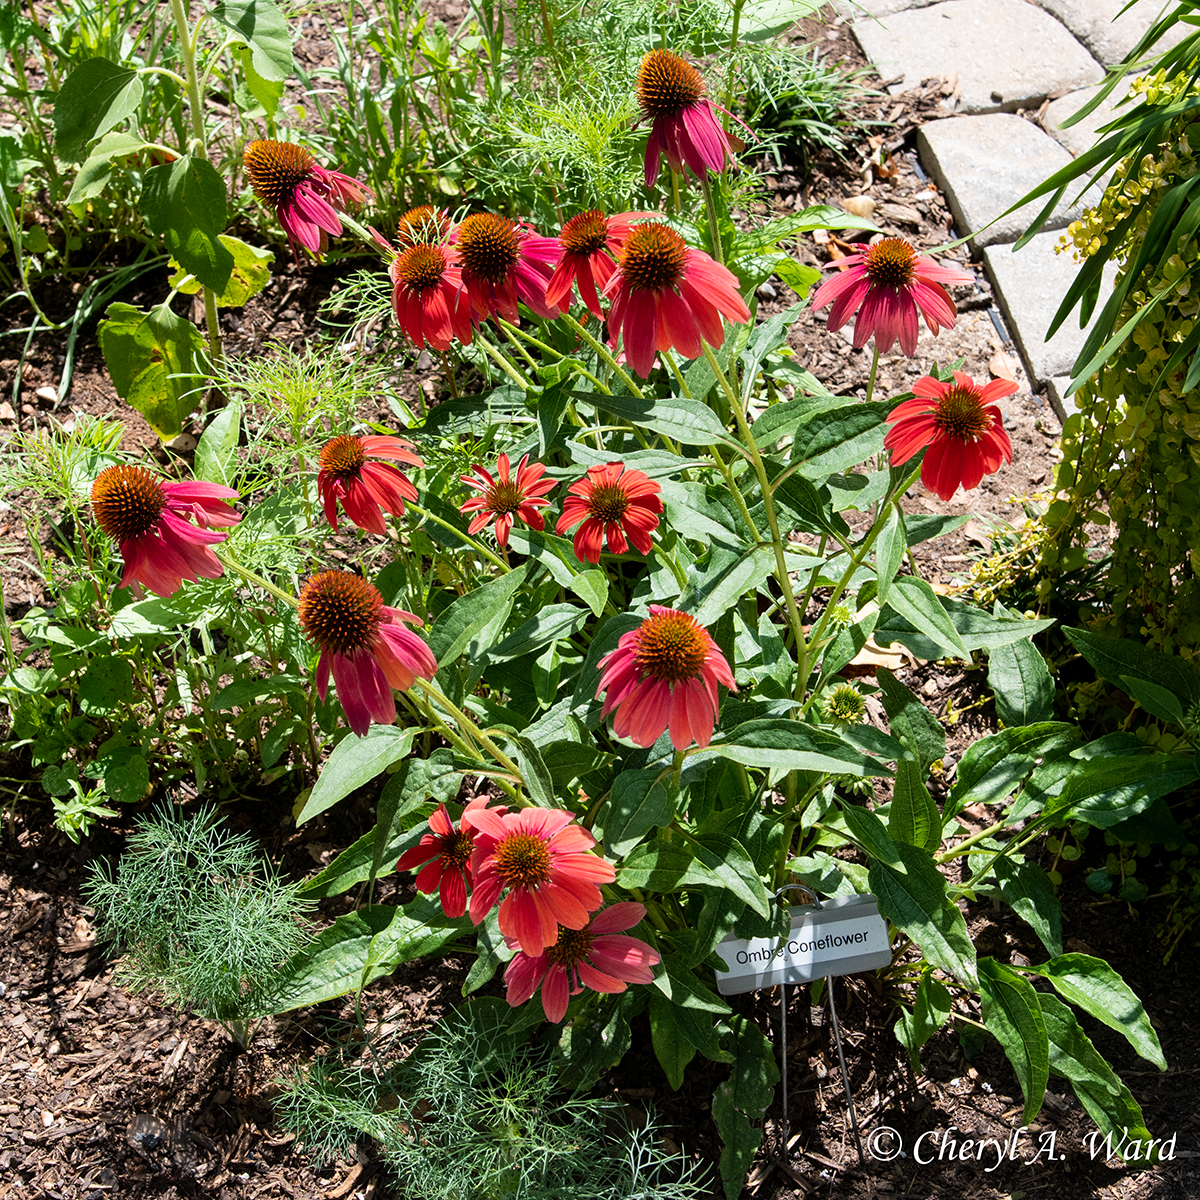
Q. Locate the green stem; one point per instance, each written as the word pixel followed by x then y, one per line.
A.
pixel 503 362
pixel 252 577
pixel 874 368
pixel 467 725
pixel 603 351
pixel 711 208
pixel 478 547
pixel 669 561
pixel 669 359
pixel 515 331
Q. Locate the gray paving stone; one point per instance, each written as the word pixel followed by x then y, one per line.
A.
pixel 1109 39
pixel 1056 389
pixel 876 8
pixel 984 164
pixel 1030 285
pixel 1007 54
pixel 1083 136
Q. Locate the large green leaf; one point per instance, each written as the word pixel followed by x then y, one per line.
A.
pixel 216 452
pixel 993 767
pixel 914 600
pixel 1011 1011
pixel 976 629
pixel 743 1098
pixel 1027 888
pixel 671 1048
pixel 791 746
pixel 839 438
pixel 889 551
pixel 930 1011
pixel 718 581
pixel 97 95
pixel 681 420
pixel 913 817
pixel 545 626
pixel 638 802
pixel 250 274
pixel 184 201
pixel 1021 681
pixel 1104 791
pixel 264 29
pixel 355 761
pixel 97 167
pixel 1115 658
pixel 456 628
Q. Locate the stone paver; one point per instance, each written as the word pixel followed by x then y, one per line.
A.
pixel 1056 390
pixel 877 8
pixel 1030 285
pixel 985 164
pixel 1083 136
pixel 1007 54
pixel 1109 39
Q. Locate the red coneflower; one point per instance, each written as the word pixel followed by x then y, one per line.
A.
pixel 666 296
pixel 664 675
pixel 364 644
pixel 966 438
pixel 365 488
pixel 598 956
pixel 423 225
pixel 305 196
pixel 891 281
pixel 545 864
pixel 444 854
pixel 428 297
pixel 684 125
pixel 613 504
pixel 507 498
pixel 148 518
pixel 503 262
pixel 590 244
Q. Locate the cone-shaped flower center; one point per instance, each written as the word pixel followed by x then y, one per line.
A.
pixel 585 233
pixel 340 612
pixel 961 415
pixel 456 848
pixel 488 246
pixel 127 501
pixel 504 498
pixel 671 647
pixel 654 257
pixel 420 267
pixel 608 503
pixel 276 169
pixel 572 946
pixel 523 860
pixel 666 84
pixel 846 703
pixel 421 224
pixel 891 263
pixel 344 458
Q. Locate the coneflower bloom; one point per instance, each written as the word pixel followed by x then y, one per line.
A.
pixel 614 504
pixel 683 124
pixel 503 262
pixel 444 855
pixel 366 489
pixel 305 196
pixel 599 956
pixel 590 244
pixel 506 497
pixel 545 864
pixel 423 225
pixel 664 675
pixel 961 426
pixel 364 645
pixel 667 296
pixel 428 296
pixel 891 282
pixel 149 519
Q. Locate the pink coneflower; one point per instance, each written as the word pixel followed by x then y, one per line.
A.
pixel 684 125
pixel 306 197
pixel 148 518
pixel 664 675
pixel 891 281
pixel 364 644
pixel 444 854
pixel 503 262
pixel 966 439
pixel 666 296
pixel 613 504
pixel 366 489
pixel 598 956
pixel 544 862
pixel 506 497
pixel 428 296
pixel 590 245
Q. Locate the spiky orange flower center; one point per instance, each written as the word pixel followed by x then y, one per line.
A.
pixel 456 848
pixel 503 498
pixel 654 257
pixel 127 501
pixel 585 233
pixel 276 169
pixel 523 860
pixel 961 415
pixel 421 224
pixel 671 647
pixel 488 246
pixel 666 85
pixel 340 612
pixel 343 458
pixel 419 268
pixel 608 502
pixel 572 946
pixel 891 263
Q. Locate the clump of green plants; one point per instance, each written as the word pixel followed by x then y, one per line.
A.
pixel 201 919
pixel 476 1111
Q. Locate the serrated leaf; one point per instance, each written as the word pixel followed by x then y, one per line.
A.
pixel 264 29
pixel 1011 1011
pixel 913 817
pixel 638 802
pixel 743 1097
pixel 1027 888
pixel 790 746
pixel 456 628
pixel 837 439
pixel 93 98
pixel 671 1048
pixel 251 273
pixel 1117 658
pixel 1022 684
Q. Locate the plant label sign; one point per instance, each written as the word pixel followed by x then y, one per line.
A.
pixel 846 934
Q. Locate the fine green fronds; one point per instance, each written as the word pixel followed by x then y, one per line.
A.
pixel 474 1112
pixel 201 920
pixel 61 463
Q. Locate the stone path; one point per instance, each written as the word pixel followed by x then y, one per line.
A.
pixel 1005 56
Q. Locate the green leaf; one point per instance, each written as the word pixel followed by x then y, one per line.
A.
pixel 889 551
pixel 791 746
pixel 639 801
pixel 126 776
pixel 254 90
pixel 995 766
pixel 1027 888
pixel 592 588
pixel 1011 1011
pixel 106 685
pixel 977 630
pixel 743 1098
pixel 597 1039
pixel 1101 992
pixel 547 625
pixel 455 630
pixel 686 421
pixel 1157 701
pixel 93 175
pixel 930 1011
pixel 914 600
pixel 534 772
pixel 847 644
pixel 184 201
pixel 871 834
pixel 216 452
pixel 782 419
pixel 1119 658
pixel 717 581
pixel 834 440
pixel 93 98
pixel 355 761
pixel 671 1048
pixel 915 899
pixel 1104 791
pixel 264 29
pixel 730 864
pixel 913 818
pixel 251 273
pixel 1021 681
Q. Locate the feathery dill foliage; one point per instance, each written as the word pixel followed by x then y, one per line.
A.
pixel 200 918
pixel 474 1112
